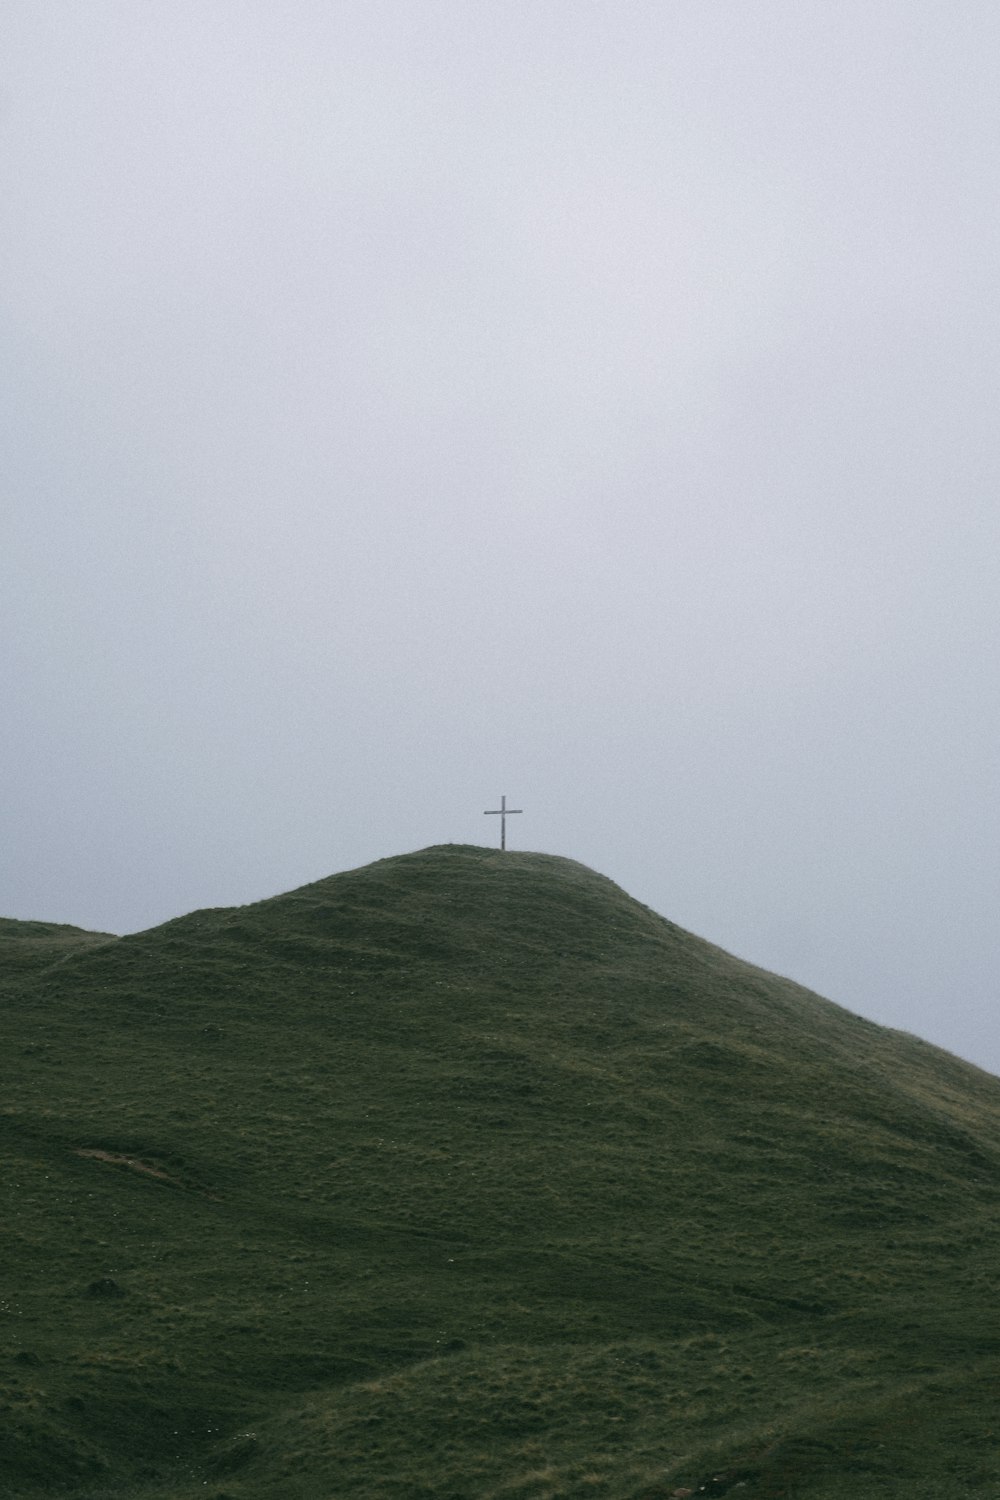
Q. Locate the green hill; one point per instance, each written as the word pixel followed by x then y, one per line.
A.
pixel 465 1176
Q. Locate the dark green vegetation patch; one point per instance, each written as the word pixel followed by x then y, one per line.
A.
pixel 465 1176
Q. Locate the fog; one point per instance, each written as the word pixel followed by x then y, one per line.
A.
pixel 410 403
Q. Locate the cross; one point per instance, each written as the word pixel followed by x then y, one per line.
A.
pixel 503 812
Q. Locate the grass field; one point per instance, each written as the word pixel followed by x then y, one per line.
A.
pixel 465 1176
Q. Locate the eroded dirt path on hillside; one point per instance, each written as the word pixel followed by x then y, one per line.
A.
pixel 118 1159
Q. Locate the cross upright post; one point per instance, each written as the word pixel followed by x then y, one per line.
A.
pixel 503 812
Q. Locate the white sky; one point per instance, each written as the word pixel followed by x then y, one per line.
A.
pixel 407 402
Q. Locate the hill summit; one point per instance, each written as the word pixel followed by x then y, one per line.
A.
pixel 466 1176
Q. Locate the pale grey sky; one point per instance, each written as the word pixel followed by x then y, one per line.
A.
pixel 407 402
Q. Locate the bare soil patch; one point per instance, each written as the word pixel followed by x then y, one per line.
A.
pixel 117 1159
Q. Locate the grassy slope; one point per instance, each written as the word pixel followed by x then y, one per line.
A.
pixel 478 1179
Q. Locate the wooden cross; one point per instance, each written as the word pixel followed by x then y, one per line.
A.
pixel 503 812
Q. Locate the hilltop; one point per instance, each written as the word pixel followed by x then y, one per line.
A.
pixel 466 1176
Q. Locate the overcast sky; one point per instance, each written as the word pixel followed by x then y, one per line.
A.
pixel 407 402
